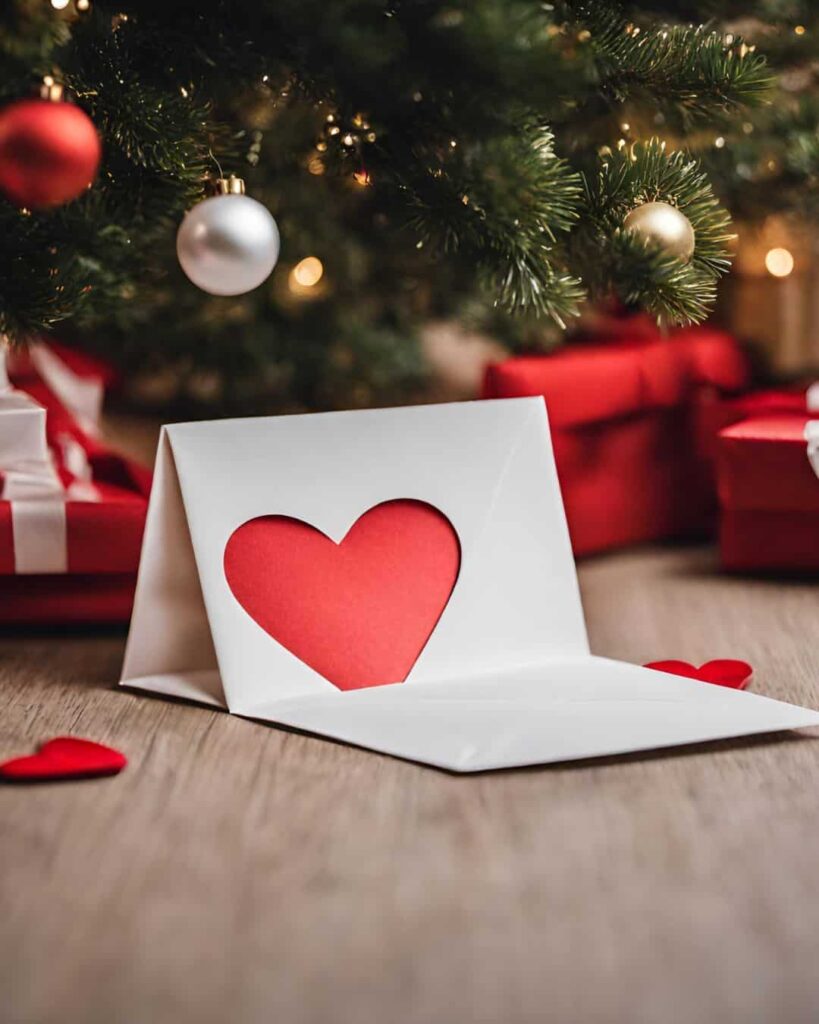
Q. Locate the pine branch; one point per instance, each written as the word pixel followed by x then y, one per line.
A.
pixel 502 206
pixel 694 68
pixel 442 110
pixel 640 272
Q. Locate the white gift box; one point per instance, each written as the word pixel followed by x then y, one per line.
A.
pixel 506 677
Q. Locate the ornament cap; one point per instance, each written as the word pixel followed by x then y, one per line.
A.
pixel 51 90
pixel 231 186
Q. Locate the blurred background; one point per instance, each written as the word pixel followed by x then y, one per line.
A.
pixel 441 178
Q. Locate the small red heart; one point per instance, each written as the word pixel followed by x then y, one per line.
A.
pixel 64 758
pixel 721 672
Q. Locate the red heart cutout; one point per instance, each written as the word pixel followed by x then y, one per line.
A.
pixel 722 671
pixel 64 758
pixel 359 612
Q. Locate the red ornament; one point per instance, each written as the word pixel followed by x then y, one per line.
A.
pixel 49 152
pixel 66 757
pixel 721 672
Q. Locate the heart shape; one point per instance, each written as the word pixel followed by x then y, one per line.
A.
pixel 65 757
pixel 358 612
pixel 721 672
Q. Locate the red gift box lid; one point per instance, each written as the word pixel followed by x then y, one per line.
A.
pixel 762 464
pixel 590 383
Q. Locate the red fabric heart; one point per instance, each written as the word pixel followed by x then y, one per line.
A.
pixel 64 758
pixel 359 612
pixel 722 671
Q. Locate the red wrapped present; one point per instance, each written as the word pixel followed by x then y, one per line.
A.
pixel 626 420
pixel 71 510
pixel 769 493
pixel 719 412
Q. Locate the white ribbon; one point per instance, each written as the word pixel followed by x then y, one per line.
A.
pixel 812 427
pixel 812 437
pixel 40 541
pixel 82 396
pixel 31 483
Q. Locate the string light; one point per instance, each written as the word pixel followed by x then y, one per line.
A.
pixel 779 262
pixel 60 5
pixel 348 134
pixel 307 273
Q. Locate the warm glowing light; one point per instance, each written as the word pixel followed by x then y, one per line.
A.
pixel 59 5
pixel 315 165
pixel 307 273
pixel 362 176
pixel 800 30
pixel 779 262
pixel 83 5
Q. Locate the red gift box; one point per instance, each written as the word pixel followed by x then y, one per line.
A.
pixel 71 510
pixel 627 420
pixel 769 495
pixel 716 415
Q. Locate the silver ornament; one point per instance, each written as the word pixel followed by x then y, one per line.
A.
pixel 664 225
pixel 228 244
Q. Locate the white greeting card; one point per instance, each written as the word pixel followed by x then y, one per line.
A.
pixel 400 579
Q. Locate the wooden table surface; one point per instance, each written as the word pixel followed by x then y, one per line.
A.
pixel 241 873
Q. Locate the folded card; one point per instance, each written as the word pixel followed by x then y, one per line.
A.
pixel 400 579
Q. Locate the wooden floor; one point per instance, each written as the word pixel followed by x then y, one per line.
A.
pixel 240 873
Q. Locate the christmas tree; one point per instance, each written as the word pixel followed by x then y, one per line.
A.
pixel 503 160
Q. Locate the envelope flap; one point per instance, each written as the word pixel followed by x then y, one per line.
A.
pixel 568 710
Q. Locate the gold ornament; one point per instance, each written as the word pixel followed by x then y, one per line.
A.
pixel 664 225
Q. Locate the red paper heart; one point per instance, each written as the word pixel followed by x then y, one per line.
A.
pixel 64 758
pixel 722 671
pixel 358 612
